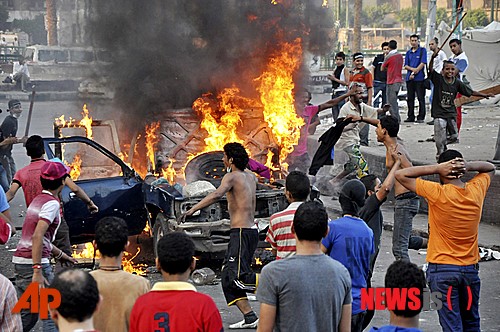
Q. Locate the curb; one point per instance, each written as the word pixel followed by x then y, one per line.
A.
pixel 387 226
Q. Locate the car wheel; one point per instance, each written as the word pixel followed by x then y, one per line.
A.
pixel 160 228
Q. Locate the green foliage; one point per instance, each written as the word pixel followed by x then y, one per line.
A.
pixel 442 15
pixel 475 18
pixel 4 16
pixel 373 16
pixel 35 28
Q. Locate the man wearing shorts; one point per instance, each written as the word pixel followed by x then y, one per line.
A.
pixel 239 186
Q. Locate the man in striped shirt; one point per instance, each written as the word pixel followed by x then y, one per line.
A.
pixel 279 234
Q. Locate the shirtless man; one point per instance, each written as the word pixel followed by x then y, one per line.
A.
pixel 407 202
pixel 239 186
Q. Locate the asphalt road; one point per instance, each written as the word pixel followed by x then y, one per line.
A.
pixel 43 117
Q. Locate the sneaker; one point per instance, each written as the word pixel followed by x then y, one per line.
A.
pixel 431 122
pixel 409 120
pixel 420 121
pixel 243 325
pixel 452 141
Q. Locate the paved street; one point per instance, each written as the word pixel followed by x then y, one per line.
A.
pixel 43 117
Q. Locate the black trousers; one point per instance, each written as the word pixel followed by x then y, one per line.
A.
pixel 415 87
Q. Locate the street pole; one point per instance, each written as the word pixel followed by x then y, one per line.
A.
pixel 419 16
pixel 431 22
pixel 492 14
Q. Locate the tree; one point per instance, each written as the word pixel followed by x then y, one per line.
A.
pixel 35 28
pixel 358 7
pixel 475 18
pixel 51 22
pixel 374 15
pixel 4 16
pixel 408 16
pixel 442 15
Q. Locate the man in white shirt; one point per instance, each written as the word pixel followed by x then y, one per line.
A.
pixel 21 74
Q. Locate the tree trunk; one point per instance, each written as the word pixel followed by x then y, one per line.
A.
pixel 358 6
pixel 51 22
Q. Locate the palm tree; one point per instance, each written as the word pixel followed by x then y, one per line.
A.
pixel 51 22
pixel 358 7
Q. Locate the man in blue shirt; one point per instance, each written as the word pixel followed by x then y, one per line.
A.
pixel 350 241
pixel 415 60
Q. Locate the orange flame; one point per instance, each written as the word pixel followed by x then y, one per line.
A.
pixel 76 167
pixel 169 172
pixel 220 121
pixel 85 122
pixel 86 252
pixel 128 265
pixel 151 141
pixel 276 94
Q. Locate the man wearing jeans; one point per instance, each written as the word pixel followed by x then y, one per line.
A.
pixel 415 61
pixel 393 64
pixel 407 202
pixel 455 210
pixel 380 77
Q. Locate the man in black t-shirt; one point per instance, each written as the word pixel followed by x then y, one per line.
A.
pixel 380 78
pixel 443 110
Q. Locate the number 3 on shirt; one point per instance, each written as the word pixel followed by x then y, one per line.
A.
pixel 163 322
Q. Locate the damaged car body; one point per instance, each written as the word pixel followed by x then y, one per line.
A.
pixel 120 192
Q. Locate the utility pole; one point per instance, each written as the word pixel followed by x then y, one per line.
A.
pixel 492 14
pixel 431 21
pixel 51 22
pixel 419 17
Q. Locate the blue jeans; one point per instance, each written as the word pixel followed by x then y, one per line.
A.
pixel 24 274
pixel 440 278
pixel 392 99
pixel 382 99
pixel 4 181
pixel 405 210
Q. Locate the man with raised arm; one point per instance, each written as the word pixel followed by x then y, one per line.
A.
pixel 455 209
pixel 239 186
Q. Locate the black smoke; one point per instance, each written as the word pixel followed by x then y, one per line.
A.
pixel 166 53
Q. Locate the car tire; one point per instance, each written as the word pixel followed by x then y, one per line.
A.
pixel 160 228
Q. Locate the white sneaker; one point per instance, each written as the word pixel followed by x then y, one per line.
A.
pixel 243 325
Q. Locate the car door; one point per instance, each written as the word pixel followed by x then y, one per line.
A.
pixel 108 181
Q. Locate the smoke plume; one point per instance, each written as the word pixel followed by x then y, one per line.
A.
pixel 165 54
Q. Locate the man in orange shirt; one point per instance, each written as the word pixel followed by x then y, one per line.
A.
pixel 455 209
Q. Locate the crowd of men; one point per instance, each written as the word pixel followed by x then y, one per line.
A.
pixel 322 265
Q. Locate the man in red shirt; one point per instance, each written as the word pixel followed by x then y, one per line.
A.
pixel 29 179
pixel 174 304
pixel 393 63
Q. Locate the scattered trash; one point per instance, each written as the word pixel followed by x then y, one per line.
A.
pixel 204 276
pixel 488 254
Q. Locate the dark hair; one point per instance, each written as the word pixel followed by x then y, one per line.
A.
pixel 415 36
pixel 34 146
pixel 404 274
pixel 310 221
pixel 111 236
pixel 175 252
pixel 309 95
pixel 393 45
pixel 455 40
pixel 436 40
pixel 340 55
pixel 449 155
pixel 448 62
pixel 79 294
pixel 297 183
pixel 357 54
pixel 369 181
pixel 52 184
pixel 391 124
pixel 384 44
pixel 238 153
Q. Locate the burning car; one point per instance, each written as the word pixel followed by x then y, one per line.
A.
pixel 120 191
